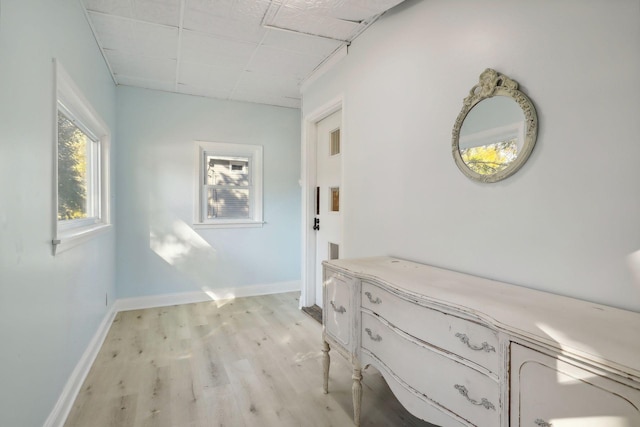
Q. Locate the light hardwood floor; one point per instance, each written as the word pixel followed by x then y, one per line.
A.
pixel 242 362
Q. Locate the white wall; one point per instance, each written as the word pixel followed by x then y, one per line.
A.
pixel 569 221
pixel 50 306
pixel 158 252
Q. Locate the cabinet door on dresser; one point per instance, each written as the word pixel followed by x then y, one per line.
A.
pixel 338 308
pixel 547 392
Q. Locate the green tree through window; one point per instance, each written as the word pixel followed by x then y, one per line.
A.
pixel 73 144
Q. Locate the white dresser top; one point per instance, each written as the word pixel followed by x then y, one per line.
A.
pixel 604 334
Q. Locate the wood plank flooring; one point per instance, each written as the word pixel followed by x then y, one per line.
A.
pixel 242 362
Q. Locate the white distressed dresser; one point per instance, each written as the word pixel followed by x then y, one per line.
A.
pixel 459 350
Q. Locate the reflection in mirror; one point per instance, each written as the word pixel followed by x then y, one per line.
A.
pixel 492 135
pixel 495 131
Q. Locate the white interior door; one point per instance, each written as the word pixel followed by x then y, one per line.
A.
pixel 328 205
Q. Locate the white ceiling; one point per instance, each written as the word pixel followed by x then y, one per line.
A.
pixel 245 50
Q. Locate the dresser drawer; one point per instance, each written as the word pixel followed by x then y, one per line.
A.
pixel 549 392
pixel 454 386
pixel 453 334
pixel 338 310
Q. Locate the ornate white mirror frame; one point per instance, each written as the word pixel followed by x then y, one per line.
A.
pixel 493 84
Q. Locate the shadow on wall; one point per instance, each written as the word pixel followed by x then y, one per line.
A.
pixel 182 248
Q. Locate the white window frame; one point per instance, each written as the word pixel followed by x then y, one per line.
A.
pixel 224 149
pixel 70 100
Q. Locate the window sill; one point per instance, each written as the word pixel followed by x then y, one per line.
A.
pixel 71 238
pixel 228 224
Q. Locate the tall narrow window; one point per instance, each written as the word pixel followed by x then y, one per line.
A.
pixel 334 147
pixel 229 185
pixel 335 199
pixel 78 171
pixel 81 166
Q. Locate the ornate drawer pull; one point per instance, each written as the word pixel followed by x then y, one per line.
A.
pixel 483 402
pixel 340 309
pixel 376 338
pixel 542 423
pixel 371 300
pixel 484 347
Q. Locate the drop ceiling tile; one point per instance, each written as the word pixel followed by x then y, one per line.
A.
pixel 221 8
pixel 351 10
pixel 251 10
pixel 147 84
pixel 279 61
pixel 302 43
pixel 113 32
pixel 165 12
pixel 198 91
pixel 134 37
pixel 326 26
pixel 280 101
pixel 208 77
pixel 223 26
pixel 361 9
pixel 210 50
pixel 238 10
pixel 114 7
pixel 140 67
pixel 156 41
pixel 272 84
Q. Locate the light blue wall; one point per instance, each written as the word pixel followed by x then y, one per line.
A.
pixel 50 306
pixel 569 221
pixel 158 252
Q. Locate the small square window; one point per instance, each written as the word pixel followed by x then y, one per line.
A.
pixel 229 185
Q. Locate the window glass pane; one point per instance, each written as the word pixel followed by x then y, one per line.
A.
pixel 335 143
pixel 335 199
pixel 73 170
pixel 227 203
pixel 334 251
pixel 227 171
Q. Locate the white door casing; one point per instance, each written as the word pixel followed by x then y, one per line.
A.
pixel 308 184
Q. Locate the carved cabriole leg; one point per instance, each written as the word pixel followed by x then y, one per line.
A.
pixel 326 360
pixel 356 390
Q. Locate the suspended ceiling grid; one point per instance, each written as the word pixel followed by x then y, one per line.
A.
pixel 245 50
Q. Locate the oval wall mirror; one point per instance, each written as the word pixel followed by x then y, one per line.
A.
pixel 496 130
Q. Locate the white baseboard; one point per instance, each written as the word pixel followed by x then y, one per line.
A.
pixel 59 414
pixel 63 406
pixel 137 303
